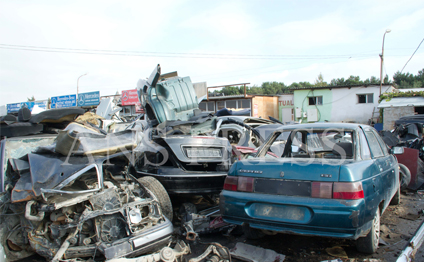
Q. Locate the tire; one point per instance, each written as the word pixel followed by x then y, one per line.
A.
pixel 159 191
pixel 396 198
pixel 252 233
pixel 369 243
pixel 12 251
pixel 404 176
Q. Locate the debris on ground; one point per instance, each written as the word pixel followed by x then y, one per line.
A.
pixel 336 252
pixel 214 253
pixel 166 254
pixel 248 252
pixel 206 221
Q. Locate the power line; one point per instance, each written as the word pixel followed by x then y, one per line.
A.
pixel 173 54
pixel 411 56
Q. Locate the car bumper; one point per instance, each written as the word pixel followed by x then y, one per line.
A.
pixel 148 241
pixel 296 215
pixel 177 181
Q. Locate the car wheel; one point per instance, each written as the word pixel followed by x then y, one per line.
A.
pixel 12 251
pixel 369 243
pixel 252 233
pixel 404 176
pixel 159 191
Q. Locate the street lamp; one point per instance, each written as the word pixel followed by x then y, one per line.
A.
pixel 382 58
pixel 78 87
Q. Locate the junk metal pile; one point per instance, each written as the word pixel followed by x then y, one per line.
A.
pixel 76 186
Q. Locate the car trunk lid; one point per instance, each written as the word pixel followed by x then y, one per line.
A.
pixel 288 177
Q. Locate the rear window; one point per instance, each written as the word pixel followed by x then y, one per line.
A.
pixel 334 143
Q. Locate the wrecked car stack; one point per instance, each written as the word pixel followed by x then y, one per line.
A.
pixel 86 191
pixel 79 205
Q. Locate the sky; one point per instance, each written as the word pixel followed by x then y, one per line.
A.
pixel 46 45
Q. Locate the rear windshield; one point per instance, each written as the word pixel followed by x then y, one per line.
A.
pixel 311 143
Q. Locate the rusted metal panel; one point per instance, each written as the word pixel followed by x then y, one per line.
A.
pixel 410 159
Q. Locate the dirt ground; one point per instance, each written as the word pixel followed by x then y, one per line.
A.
pixel 398 225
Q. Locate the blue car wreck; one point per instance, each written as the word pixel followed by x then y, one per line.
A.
pixel 332 180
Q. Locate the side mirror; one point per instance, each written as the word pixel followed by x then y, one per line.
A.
pixel 396 150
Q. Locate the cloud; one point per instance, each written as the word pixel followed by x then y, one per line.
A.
pixel 324 31
pixel 222 21
pixel 408 22
pixel 218 27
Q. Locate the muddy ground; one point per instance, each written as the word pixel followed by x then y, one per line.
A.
pixel 398 225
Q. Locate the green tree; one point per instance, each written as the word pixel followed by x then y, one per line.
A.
pixel 254 90
pixel 372 81
pixel 408 80
pixel 305 84
pixel 337 82
pixel 295 85
pixel 231 90
pixel 319 82
pixel 272 88
pixel 386 80
pixel 30 99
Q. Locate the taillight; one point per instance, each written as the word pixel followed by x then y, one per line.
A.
pixel 231 183
pixel 322 190
pixel 337 190
pixel 348 190
pixel 234 183
pixel 245 184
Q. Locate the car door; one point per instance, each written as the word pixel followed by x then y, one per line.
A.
pixel 382 180
pixel 390 166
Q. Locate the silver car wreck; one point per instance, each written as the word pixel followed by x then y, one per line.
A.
pixel 178 148
pixel 77 205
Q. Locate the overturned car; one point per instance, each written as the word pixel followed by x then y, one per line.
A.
pixel 84 204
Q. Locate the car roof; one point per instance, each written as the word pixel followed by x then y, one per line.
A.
pixel 249 119
pixel 323 126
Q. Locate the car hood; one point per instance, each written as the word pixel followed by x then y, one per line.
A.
pixel 167 100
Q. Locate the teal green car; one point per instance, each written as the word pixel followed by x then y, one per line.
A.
pixel 332 180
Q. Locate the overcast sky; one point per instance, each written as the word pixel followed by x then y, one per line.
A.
pixel 46 45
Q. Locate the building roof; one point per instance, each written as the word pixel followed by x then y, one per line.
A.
pixel 224 97
pixel 248 96
pixel 402 101
pixel 404 90
pixel 333 87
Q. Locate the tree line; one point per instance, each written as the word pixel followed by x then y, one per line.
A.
pixel 400 80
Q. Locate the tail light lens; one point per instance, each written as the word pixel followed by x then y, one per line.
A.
pixel 337 190
pixel 348 190
pixel 231 183
pixel 244 184
pixel 322 190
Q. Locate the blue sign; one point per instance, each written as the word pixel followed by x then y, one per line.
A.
pixel 89 99
pixel 30 105
pixel 12 108
pixel 63 101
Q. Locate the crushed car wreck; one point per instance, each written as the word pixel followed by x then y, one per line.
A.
pixel 80 205
pixel 178 148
